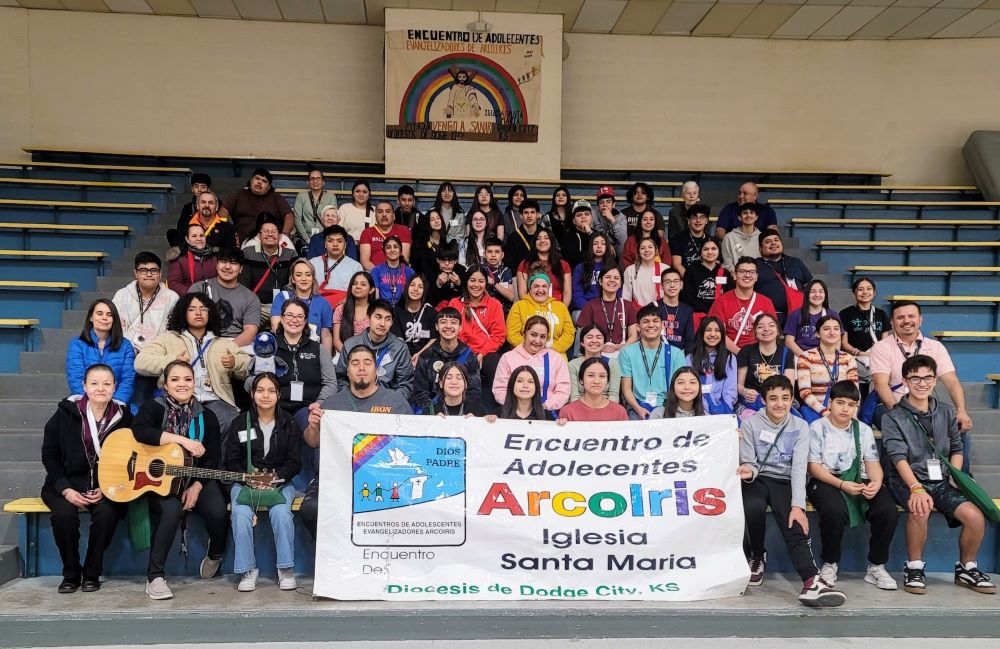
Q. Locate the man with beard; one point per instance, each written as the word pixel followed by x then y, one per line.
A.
pixel 239 308
pixel 776 270
pixel 363 394
pixel 243 207
pixel 199 183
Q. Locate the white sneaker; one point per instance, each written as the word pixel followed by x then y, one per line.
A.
pixel 249 581
pixel 158 589
pixel 879 576
pixel 286 579
pixel 829 573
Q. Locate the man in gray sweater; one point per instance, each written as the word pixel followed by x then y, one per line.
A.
pixel 922 483
pixel 774 454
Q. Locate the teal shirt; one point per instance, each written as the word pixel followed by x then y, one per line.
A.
pixel 643 384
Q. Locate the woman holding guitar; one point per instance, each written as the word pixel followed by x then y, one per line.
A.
pixel 265 438
pixel 71 448
pixel 177 417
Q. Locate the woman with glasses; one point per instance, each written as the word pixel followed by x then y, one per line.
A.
pixel 305 371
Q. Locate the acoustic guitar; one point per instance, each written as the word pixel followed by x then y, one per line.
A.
pixel 128 469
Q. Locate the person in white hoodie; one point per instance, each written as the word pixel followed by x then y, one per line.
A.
pixel 774 453
pixel 744 241
pixel 144 306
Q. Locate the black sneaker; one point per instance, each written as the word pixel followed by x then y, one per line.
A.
pixel 973 579
pixel 818 593
pixel 914 580
pixel 68 586
pixel 757 567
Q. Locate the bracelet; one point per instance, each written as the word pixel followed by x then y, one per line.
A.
pixel 921 490
pixel 916 485
pixel 840 487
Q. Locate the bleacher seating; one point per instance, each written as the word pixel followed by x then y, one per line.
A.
pixel 58 279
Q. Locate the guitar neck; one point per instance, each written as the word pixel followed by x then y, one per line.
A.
pixel 211 474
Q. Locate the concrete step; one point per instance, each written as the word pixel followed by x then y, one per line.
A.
pixel 29 386
pixel 56 339
pixel 978 395
pixel 21 478
pixel 27 414
pixel 985 450
pixel 10 566
pixel 21 444
pixel 988 477
pixel 44 362
pixel 985 421
pixel 8 525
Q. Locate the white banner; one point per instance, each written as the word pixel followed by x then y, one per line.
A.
pixel 423 508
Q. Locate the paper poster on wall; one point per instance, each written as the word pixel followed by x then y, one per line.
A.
pixel 462 85
pixel 422 508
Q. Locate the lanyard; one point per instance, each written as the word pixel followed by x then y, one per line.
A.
pixel 613 318
pixel 832 369
pixel 143 310
pixel 295 358
pixel 197 432
pixel 201 351
pixel 392 280
pixel 271 265
pixel 190 266
pixel 545 379
pixel 656 358
pixel 381 355
pixel 871 325
pixel 914 352
pixel 315 204
pixel 327 269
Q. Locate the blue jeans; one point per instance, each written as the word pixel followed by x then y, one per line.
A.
pixel 282 525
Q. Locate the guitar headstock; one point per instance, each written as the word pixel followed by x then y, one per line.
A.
pixel 262 480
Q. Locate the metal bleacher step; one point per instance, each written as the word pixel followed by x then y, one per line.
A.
pixel 21 477
pixel 42 362
pixel 10 566
pixel 29 386
pixel 54 339
pixel 27 414
pixel 20 444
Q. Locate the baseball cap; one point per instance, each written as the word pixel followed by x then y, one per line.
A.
pixel 605 191
pixel 581 206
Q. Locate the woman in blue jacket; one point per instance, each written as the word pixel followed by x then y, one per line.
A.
pixel 102 341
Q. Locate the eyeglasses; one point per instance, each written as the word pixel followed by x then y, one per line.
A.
pixel 294 318
pixel 671 282
pixel 917 380
pixel 746 272
pixel 147 271
pixel 197 309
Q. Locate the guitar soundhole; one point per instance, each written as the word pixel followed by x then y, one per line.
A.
pixel 156 468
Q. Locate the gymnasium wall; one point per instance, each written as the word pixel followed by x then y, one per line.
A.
pixel 151 83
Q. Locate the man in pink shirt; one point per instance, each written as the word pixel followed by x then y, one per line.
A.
pixel 373 238
pixel 888 354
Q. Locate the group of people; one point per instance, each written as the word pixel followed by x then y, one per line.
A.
pixel 574 314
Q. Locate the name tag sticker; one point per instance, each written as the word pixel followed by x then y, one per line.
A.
pixel 768 436
pixel 243 436
pixel 934 469
pixel 721 281
pixel 651 398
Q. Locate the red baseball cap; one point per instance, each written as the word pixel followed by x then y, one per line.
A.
pixel 604 191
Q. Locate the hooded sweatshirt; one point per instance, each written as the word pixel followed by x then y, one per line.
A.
pixel 395 371
pixel 561 329
pixel 426 374
pixel 558 384
pixel 788 459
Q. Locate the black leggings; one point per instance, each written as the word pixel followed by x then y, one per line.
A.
pixel 833 520
pixel 165 518
pixel 757 495
pixel 65 517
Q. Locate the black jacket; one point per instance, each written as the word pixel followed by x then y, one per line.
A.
pixel 148 426
pixel 282 457
pixel 63 452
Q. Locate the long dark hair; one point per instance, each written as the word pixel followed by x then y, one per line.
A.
pixel 115 336
pixel 472 257
pixel 656 234
pixel 368 204
pixel 532 261
pixel 439 381
pixel 553 210
pixel 590 262
pixel 670 404
pixel 456 207
pixel 253 388
pixel 347 321
pixel 178 317
pixel 510 196
pixel 465 289
pixel 494 217
pixel 804 311
pixel 509 408
pixel 700 353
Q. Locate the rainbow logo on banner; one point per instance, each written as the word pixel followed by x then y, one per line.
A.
pixel 367 446
pixel 491 81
